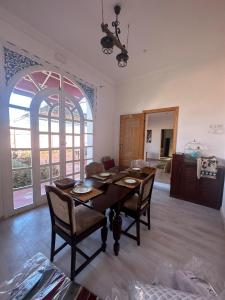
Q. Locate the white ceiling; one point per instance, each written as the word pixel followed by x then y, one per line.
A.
pixel 163 33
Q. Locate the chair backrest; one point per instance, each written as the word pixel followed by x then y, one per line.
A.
pixel 93 168
pixel 62 209
pixel 105 158
pixel 146 190
pixel 138 163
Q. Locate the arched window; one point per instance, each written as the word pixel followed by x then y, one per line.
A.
pixel 51 133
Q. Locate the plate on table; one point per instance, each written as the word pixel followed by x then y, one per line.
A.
pixel 136 169
pixel 130 181
pixel 82 189
pixel 105 174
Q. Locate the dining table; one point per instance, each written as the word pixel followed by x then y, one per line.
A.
pixel 111 193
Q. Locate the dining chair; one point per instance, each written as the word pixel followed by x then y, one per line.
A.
pixel 137 205
pixel 73 224
pixel 138 163
pixel 93 168
pixel 109 164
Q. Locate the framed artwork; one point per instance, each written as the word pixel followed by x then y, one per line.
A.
pixel 149 136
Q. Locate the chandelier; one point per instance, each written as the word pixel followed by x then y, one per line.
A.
pixel 112 39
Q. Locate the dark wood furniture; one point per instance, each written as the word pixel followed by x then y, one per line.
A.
pixel 138 205
pixel 93 168
pixel 73 224
pixel 186 186
pixel 113 198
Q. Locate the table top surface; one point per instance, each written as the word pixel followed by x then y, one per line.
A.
pixel 112 193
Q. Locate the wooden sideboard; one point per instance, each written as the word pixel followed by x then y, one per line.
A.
pixel 186 186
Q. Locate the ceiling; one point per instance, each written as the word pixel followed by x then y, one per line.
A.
pixel 163 33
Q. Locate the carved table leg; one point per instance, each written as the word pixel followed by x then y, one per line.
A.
pixel 117 224
pixel 111 215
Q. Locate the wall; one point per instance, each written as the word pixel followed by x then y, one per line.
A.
pixel 46 49
pixel 156 122
pixel 198 90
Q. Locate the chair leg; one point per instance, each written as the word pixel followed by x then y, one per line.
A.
pixel 138 230
pixel 73 262
pixel 148 216
pixel 52 245
pixel 111 216
pixel 104 233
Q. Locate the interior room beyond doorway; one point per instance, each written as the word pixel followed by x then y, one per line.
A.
pixel 159 142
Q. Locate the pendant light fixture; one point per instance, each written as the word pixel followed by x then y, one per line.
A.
pixel 112 39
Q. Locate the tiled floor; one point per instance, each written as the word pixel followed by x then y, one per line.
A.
pixel 180 230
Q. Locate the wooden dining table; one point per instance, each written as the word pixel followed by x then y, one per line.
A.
pixel 112 197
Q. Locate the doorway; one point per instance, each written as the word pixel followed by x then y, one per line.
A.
pixel 160 141
pixel 51 135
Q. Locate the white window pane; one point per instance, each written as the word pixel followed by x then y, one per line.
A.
pixel 69 141
pixel 55 171
pixel 43 140
pixel 69 127
pixel 76 154
pixel 22 197
pixel 88 152
pixel 88 139
pixel 44 108
pixel 76 167
pixel 54 125
pixel 21 159
pixel 76 128
pixel 55 156
pixel 20 138
pixel 22 178
pixel 77 141
pixel 19 118
pixel 76 115
pixel 44 157
pixel 69 168
pixel 44 172
pixel 88 127
pixel 55 141
pixel 69 154
pixel 20 100
pixel 86 109
pixel 43 124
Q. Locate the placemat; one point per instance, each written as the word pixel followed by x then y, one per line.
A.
pixel 130 186
pixel 86 197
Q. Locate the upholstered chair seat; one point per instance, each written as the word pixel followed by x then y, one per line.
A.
pixel 132 203
pixel 85 218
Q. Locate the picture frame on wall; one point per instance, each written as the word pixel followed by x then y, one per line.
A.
pixel 149 136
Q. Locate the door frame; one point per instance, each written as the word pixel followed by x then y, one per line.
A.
pixel 174 109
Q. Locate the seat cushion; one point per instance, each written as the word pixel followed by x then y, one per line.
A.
pixel 86 218
pixel 132 203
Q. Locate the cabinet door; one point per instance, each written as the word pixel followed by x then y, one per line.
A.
pixel 211 190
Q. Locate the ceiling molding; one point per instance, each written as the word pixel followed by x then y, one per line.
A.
pixel 36 35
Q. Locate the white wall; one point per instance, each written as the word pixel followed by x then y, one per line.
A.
pixel 198 90
pixel 156 122
pixel 46 49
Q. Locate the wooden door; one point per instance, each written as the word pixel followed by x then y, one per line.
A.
pixel 132 129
